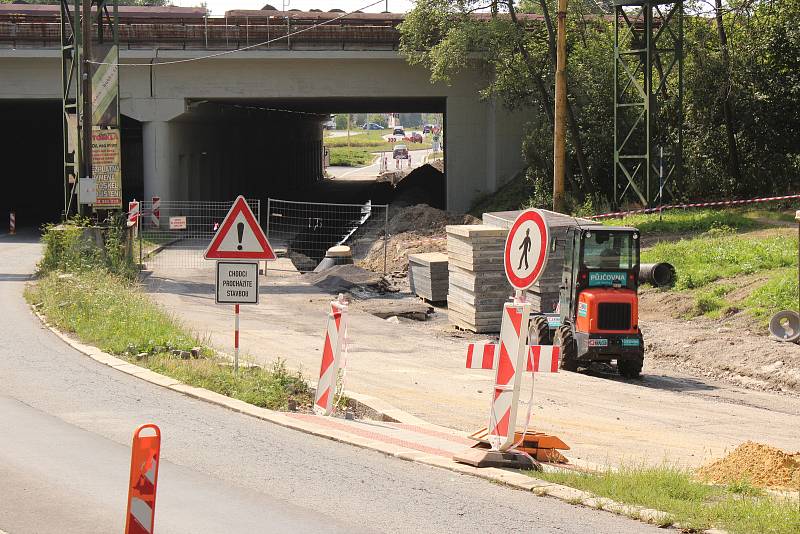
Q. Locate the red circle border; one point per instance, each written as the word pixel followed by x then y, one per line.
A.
pixel 524 283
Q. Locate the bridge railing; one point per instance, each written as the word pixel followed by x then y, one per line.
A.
pixel 217 35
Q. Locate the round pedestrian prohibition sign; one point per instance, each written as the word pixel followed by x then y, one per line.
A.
pixel 525 255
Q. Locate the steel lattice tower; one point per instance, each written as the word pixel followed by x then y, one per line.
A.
pixel 648 99
pixel 72 70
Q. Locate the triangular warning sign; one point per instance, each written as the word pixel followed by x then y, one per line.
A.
pixel 239 237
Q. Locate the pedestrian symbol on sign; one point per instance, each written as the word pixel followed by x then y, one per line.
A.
pixel 525 247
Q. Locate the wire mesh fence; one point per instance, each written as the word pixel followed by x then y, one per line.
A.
pixel 306 230
pixel 176 233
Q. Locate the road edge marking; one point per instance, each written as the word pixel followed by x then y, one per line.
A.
pixel 513 479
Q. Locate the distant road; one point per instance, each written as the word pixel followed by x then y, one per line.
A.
pixel 343 133
pixel 370 172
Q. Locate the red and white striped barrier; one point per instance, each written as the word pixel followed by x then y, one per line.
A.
pixel 508 357
pixel 511 358
pixel 143 482
pixel 133 212
pixel 695 205
pixel 335 339
pixel 541 358
pixel 155 213
pixel 12 223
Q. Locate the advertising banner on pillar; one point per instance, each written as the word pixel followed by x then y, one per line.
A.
pixel 107 168
pixel 105 86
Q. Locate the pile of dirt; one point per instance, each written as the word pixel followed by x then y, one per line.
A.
pixel 397 250
pixel 759 464
pixel 425 220
pixel 412 230
pixel 425 184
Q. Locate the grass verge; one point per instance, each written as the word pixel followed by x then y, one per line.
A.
pixel 688 221
pixel 349 157
pixel 721 254
pixel 111 313
pixel 739 508
pixel 372 141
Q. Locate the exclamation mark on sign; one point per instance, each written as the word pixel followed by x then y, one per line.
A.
pixel 240 231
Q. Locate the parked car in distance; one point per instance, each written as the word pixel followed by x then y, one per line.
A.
pixel 400 152
pixel 415 137
pixel 329 125
pixel 427 128
pixel 372 126
pixel 399 131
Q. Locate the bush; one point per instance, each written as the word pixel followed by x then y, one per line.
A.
pixel 80 246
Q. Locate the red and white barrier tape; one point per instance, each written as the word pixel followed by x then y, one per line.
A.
pixel 695 205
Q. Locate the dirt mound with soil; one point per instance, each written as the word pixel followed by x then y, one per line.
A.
pixel 412 230
pixel 425 184
pixel 398 248
pixel 759 464
pixel 425 220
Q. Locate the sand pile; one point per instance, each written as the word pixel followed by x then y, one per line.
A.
pixel 759 464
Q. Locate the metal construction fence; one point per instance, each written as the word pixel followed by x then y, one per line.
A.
pixel 306 230
pixel 176 233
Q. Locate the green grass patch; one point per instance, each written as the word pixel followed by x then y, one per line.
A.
pixel 112 313
pixel 739 508
pixel 350 157
pixel 373 141
pixel 721 254
pixel 772 215
pixel 779 293
pixel 107 311
pixel 712 301
pixel 690 221
pixel 271 388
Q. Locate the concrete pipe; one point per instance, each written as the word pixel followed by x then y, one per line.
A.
pixel 659 274
pixel 338 255
pixel 785 326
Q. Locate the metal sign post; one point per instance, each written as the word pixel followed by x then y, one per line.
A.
pixel 524 260
pixel 241 241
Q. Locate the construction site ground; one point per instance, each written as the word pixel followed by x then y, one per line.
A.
pixel 674 413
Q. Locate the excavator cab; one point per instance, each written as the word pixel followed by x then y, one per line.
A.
pixel 598 299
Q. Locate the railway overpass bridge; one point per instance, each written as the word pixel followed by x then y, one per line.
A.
pixel 198 127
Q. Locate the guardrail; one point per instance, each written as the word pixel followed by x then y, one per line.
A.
pixel 215 34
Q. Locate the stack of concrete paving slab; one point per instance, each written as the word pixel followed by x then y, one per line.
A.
pixel 543 295
pixel 427 275
pixel 478 286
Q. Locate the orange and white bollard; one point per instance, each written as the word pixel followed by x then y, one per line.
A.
pixel 12 223
pixel 335 340
pixel 145 457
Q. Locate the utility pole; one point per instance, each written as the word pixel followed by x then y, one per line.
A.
pixel 559 127
pixel 86 93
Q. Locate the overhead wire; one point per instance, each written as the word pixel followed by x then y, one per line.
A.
pixel 241 49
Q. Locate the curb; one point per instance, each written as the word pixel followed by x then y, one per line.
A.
pixel 510 478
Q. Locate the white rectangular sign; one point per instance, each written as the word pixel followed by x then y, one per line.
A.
pixel 237 282
pixel 177 223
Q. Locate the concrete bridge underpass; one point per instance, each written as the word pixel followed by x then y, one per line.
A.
pixel 247 122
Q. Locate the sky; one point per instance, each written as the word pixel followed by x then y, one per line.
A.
pixel 219 7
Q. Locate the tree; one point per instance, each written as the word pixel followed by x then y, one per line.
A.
pixel 741 91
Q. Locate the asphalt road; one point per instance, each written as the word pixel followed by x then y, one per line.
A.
pixel 64 456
